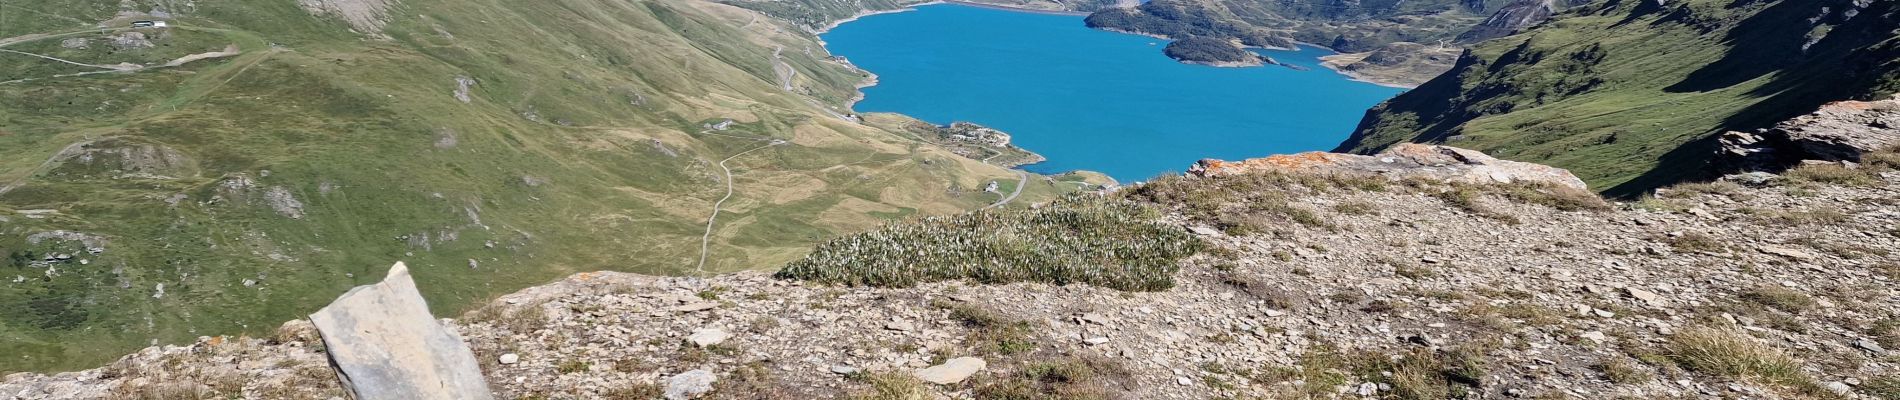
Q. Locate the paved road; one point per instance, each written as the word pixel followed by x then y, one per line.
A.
pixel 786 73
pixel 1024 176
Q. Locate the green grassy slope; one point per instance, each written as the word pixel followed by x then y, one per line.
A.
pixel 1628 95
pixel 226 195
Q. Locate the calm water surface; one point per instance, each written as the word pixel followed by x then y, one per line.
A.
pixel 1096 100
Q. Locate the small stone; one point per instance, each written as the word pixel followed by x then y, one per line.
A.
pixel 843 369
pixel 510 358
pixel 1870 346
pixel 1595 336
pixel 1646 296
pixel 1273 313
pixel 1095 341
pixel 953 371
pixel 900 326
pixel 1604 313
pixel 690 384
pixel 1368 389
pixel 1183 381
pixel 1787 252
pixel 1204 231
pixel 1839 388
pixel 700 306
pixel 708 337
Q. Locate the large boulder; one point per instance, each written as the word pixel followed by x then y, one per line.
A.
pixel 1406 160
pixel 385 345
pixel 1839 131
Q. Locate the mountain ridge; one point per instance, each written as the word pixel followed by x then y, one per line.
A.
pixel 1631 95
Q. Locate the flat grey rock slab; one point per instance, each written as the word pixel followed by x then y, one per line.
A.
pixel 385 345
pixel 953 371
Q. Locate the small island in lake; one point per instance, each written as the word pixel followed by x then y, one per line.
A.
pixel 1215 52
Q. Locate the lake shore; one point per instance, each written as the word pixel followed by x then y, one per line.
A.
pixel 1085 100
pixel 913 7
pixel 862 14
pixel 1016 9
pixel 1338 61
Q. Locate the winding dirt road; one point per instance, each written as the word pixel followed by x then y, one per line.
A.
pixel 705 241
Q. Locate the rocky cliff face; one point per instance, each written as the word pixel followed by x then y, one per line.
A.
pixel 1846 131
pixel 1512 18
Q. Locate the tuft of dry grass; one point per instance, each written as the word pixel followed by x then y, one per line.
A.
pixel 1066 377
pixel 1832 174
pixel 1799 217
pixel 1466 198
pixel 753 381
pixel 1718 188
pixel 571 366
pixel 1558 197
pixel 1624 372
pixel 162 391
pixel 991 333
pixel 637 391
pixel 1779 298
pixel 1275 296
pixel 1883 388
pixel 889 386
pixel 1731 354
pixel 1697 242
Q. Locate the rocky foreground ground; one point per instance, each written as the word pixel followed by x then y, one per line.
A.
pixel 1757 286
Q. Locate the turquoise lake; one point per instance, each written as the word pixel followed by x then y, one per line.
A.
pixel 1096 100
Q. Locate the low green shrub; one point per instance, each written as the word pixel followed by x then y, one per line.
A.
pixel 1087 239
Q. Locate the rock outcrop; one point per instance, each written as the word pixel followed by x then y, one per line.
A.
pixel 1839 131
pixel 366 16
pixel 1408 160
pixel 385 345
pixel 1512 18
